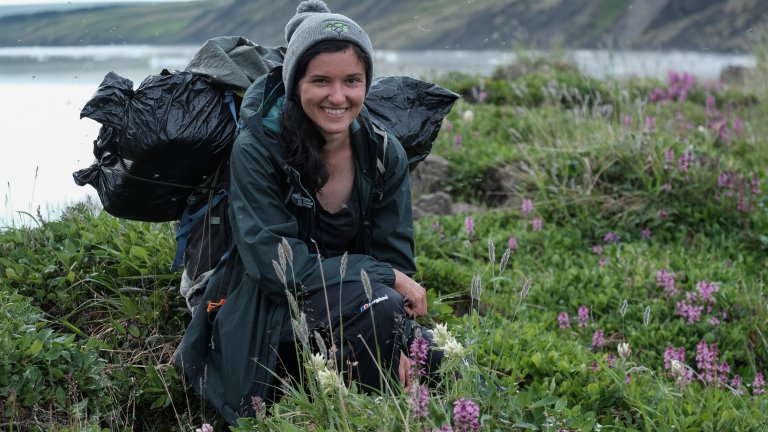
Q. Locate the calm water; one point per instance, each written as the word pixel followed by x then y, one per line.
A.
pixel 43 89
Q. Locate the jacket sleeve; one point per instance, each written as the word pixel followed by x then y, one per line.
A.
pixel 260 220
pixel 392 216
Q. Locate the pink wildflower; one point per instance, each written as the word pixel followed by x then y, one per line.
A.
pixel 758 385
pixel 420 401
pixel 706 363
pixel 738 126
pixel 564 320
pixel 714 321
pixel 512 243
pixel 672 353
pixel 603 261
pixel 597 249
pixel 663 214
pixel 258 405
pixel 598 339
pixel 645 233
pixel 684 163
pixel 711 109
pixel 669 158
pixel 666 187
pixel 657 95
pixel 469 225
pixel 722 132
pixel 741 203
pixel 527 206
pixel 736 382
pixel 628 379
pixel 650 124
pixel 706 291
pixel 674 361
pixel 465 415
pixel 666 279
pixel 418 355
pixel 583 316
pixel 691 312
pixel 627 120
pixel 457 142
pixel 611 361
pixel 536 224
pixel 447 125
pixel 725 179
pixel 611 237
pixel 594 367
pixel 754 184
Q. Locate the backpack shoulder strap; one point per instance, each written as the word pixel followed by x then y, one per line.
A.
pixel 381 151
pixel 188 220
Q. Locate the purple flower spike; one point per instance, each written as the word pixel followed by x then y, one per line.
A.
pixel 465 415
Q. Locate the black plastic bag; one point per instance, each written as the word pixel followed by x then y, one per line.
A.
pixel 157 143
pixel 413 110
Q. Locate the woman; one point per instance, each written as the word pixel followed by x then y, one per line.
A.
pixel 304 172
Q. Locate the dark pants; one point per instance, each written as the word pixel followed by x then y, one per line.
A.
pixel 379 322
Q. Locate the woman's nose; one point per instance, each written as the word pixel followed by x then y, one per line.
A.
pixel 336 93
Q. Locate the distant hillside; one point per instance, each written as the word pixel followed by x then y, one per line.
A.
pixel 711 25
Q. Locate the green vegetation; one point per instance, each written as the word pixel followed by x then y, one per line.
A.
pixel 636 209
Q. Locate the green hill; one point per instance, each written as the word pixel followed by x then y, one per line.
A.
pixel 707 25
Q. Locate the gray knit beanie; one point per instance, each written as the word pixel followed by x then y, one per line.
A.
pixel 314 23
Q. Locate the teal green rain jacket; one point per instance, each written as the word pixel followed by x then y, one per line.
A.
pixel 228 354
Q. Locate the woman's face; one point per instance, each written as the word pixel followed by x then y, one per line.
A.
pixel 332 91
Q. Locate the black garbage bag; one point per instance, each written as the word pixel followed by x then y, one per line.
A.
pixel 157 143
pixel 413 110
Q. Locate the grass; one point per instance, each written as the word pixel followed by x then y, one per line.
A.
pixel 641 214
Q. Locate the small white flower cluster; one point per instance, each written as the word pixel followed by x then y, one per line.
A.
pixel 328 379
pixel 447 343
pixel 624 350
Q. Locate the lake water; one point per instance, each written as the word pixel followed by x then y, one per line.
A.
pixel 42 91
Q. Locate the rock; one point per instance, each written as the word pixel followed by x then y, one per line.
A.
pixel 462 207
pixel 431 175
pixel 433 204
pixel 500 185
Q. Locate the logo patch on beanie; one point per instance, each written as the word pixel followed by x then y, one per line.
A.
pixel 338 27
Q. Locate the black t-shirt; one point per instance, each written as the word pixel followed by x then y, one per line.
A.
pixel 336 233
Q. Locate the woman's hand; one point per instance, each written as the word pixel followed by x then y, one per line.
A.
pixel 403 372
pixel 414 295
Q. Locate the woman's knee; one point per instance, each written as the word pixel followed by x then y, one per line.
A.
pixel 387 300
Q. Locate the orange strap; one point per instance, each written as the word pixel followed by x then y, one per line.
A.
pixel 213 305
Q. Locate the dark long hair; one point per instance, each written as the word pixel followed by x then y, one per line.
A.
pixel 300 139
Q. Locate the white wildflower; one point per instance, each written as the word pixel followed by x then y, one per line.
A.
pixel 442 335
pixel 624 350
pixel 453 349
pixel 678 369
pixel 316 362
pixel 468 116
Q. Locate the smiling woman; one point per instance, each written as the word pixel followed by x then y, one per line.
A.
pixel 306 184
